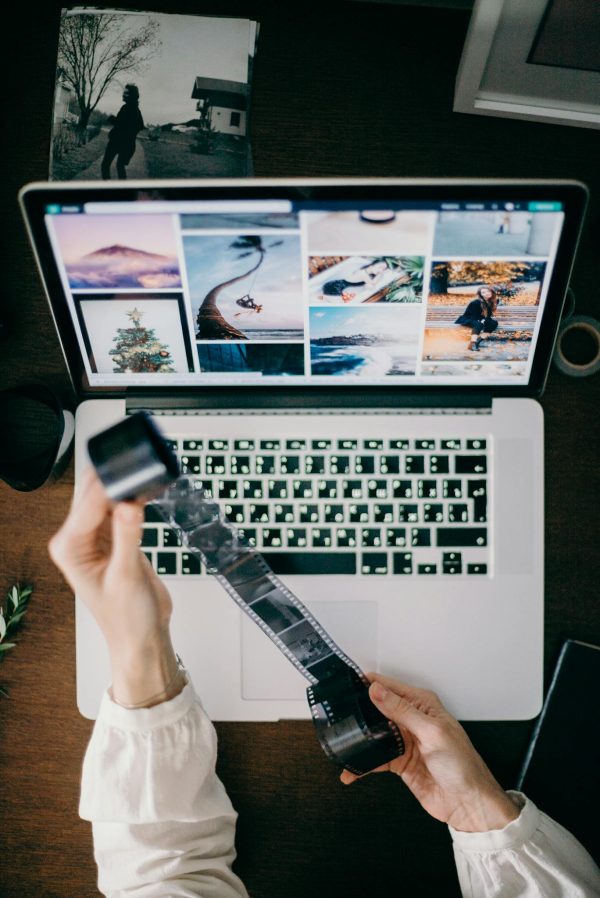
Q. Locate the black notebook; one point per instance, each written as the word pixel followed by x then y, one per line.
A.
pixel 561 773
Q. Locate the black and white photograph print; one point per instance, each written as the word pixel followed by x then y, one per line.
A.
pixel 305 644
pixel 246 287
pixel 372 341
pixel 134 334
pixel 151 95
pixel 504 232
pixel 106 252
pixel 277 611
pixel 351 280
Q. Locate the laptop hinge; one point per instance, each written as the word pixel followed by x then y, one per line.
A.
pixel 239 402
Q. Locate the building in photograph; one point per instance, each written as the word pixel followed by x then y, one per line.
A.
pixel 222 104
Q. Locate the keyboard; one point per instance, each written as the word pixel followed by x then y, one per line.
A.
pixel 374 507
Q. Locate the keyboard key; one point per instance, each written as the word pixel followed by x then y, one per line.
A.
pixel 334 514
pixel 451 444
pixel 427 569
pixel 470 464
pixel 433 513
pixel 249 534
pixel 461 536
pixel 373 444
pixel 451 563
pixel 190 564
pixel 352 489
pixel 218 445
pixel 264 464
pixel 258 514
pixel 170 539
pixel 295 444
pixel 152 514
pixel 321 538
pixel 371 537
pixel 389 464
pixel 243 445
pixel 347 444
pixel 424 444
pixel 346 537
pixel 149 537
pixel 414 464
pixel 296 537
pixel 439 464
pixel 398 444
pixel 214 464
pixel 339 464
pixel 190 464
pixel 229 489
pixel 314 464
pixel 270 444
pixel 149 557
pixel 173 445
pixel 311 562
pixel 402 489
pixel 395 536
pixel 192 445
pixel 321 444
pixel 402 562
pixel 420 536
pixel 283 514
pixel 253 489
pixel 278 489
pixel 328 489
pixel 235 513
pixel 453 489
pixel 289 464
pixel 374 563
pixel 476 444
pixel 166 563
pixel 458 513
pixel 239 464
pixel 303 489
pixel 271 537
pixel 408 513
pixel 477 491
pixel 364 464
pixel 377 489
pixel 309 514
pixel 383 514
pixel 358 514
pixel 477 569
pixel 427 489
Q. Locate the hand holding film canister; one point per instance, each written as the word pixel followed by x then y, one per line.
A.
pixel 134 462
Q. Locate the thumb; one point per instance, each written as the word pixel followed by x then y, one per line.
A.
pixel 126 534
pixel 397 708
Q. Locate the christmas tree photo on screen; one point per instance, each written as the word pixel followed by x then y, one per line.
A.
pixel 137 349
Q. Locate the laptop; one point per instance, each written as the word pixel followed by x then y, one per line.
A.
pixel 352 368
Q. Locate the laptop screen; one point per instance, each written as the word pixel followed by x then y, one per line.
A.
pixel 418 291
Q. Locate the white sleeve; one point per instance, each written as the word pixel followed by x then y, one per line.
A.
pixel 162 822
pixel 533 856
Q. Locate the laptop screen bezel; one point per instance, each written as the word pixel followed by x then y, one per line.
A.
pixel 572 195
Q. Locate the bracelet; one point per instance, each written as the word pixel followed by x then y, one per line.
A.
pixel 155 699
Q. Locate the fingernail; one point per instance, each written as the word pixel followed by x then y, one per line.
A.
pixel 378 692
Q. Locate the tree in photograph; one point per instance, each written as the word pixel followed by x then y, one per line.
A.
pixel 211 323
pixel 138 351
pixel 94 49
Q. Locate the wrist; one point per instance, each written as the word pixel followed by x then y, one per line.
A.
pixel 145 678
pixel 484 812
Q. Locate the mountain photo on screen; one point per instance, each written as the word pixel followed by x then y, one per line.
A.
pixel 106 252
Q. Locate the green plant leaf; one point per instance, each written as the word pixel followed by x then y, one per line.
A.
pixel 5 646
pixel 13 595
pixel 3 692
pixel 2 627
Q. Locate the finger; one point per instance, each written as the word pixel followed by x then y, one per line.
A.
pixel 347 777
pixel 90 506
pixel 425 697
pixel 126 535
pixel 398 709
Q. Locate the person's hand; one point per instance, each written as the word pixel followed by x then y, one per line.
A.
pixel 97 550
pixel 440 766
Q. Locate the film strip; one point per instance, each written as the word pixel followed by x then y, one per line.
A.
pixel 133 461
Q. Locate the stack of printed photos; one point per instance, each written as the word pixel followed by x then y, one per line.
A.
pixel 151 95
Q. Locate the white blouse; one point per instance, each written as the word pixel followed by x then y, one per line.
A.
pixel 164 826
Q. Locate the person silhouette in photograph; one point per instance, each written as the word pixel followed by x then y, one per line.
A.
pixel 479 316
pixel 122 137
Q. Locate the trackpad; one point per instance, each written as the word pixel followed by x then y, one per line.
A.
pixel 266 672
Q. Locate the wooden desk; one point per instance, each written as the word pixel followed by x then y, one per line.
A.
pixel 340 89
